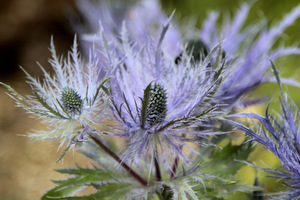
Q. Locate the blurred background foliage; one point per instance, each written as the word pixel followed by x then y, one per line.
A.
pixel 25 30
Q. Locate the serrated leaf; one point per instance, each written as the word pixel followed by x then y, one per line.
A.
pixel 111 191
pixel 88 172
pixel 223 160
pixel 60 192
pixel 181 189
pixel 80 180
pixel 109 187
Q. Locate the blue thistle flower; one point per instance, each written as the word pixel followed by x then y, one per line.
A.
pixel 281 137
pixel 70 102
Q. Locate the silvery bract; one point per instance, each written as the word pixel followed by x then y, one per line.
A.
pixel 70 102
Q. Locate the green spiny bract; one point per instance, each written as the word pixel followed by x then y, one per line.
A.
pixel 72 101
pixel 157 105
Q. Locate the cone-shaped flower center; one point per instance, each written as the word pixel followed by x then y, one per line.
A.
pixel 198 50
pixel 157 104
pixel 72 101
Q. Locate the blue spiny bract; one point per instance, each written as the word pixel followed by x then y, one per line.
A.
pixel 72 101
pixel 157 104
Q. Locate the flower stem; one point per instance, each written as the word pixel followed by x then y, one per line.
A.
pixel 174 168
pixel 158 175
pixel 175 165
pixel 124 165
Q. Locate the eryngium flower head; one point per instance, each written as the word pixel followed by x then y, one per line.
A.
pixel 157 102
pixel 280 135
pixel 70 102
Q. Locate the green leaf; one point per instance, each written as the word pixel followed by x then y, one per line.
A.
pixel 181 189
pixel 105 174
pixel 103 180
pixel 59 192
pixel 110 191
pixel 224 160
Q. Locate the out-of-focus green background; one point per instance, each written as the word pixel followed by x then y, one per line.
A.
pixel 25 30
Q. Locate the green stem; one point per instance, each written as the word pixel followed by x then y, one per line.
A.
pixel 158 174
pixel 124 165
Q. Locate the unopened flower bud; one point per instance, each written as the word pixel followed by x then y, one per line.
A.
pixel 72 101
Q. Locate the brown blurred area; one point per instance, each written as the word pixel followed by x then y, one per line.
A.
pixel 26 26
